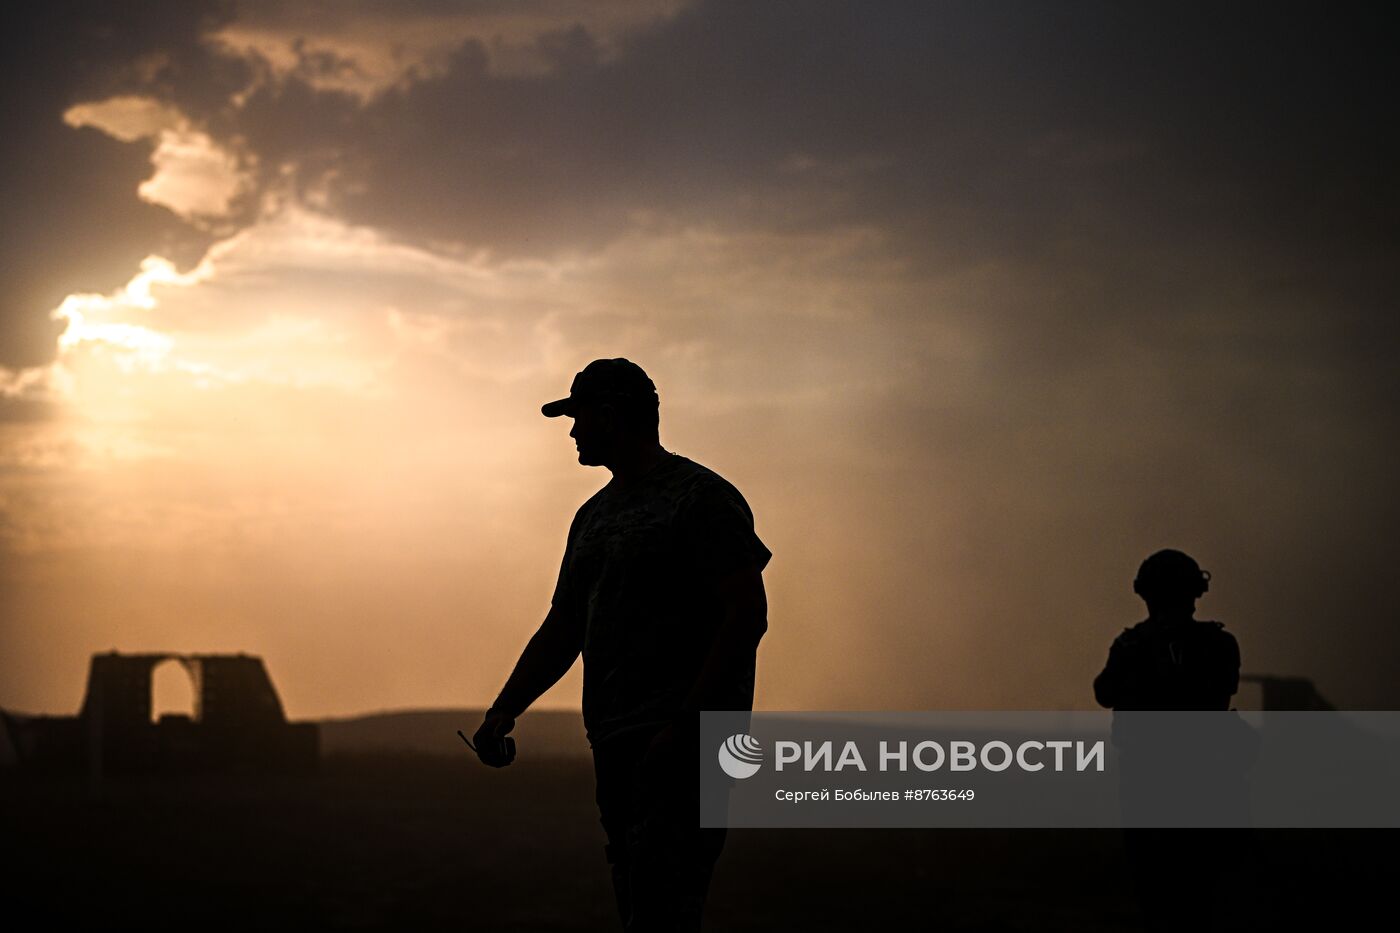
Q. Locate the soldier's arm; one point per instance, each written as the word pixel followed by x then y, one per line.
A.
pixel 745 621
pixel 547 657
pixel 1231 666
pixel 1108 685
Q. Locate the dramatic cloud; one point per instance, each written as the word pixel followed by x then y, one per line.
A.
pixel 74 223
pixel 194 177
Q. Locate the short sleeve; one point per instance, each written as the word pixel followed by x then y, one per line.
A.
pixel 563 587
pixel 722 529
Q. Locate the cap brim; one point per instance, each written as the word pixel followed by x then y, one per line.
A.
pixel 563 406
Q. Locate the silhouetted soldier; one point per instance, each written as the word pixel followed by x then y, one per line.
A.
pixel 1170 661
pixel 661 589
pixel 1176 770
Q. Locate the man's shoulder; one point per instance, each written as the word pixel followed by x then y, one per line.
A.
pixel 1207 628
pixel 1210 636
pixel 590 504
pixel 1215 631
pixel 695 480
pixel 685 468
pixel 1142 629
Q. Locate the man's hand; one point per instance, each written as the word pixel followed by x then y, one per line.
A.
pixel 492 739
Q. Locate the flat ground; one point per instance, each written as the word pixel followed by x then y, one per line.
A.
pixel 407 842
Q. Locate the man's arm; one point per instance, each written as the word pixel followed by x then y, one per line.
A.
pixel 547 657
pixel 1230 667
pixel 745 620
pixel 1108 685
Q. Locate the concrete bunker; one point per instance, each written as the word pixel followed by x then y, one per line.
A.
pixel 236 722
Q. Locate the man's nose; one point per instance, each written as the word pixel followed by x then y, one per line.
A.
pixel 573 432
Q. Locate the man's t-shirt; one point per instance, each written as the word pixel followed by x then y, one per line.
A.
pixel 640 569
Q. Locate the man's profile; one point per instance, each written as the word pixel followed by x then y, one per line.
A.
pixel 661 590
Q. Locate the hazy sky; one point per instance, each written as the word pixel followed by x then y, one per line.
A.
pixel 978 304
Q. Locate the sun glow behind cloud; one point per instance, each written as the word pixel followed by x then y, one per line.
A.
pixel 315 405
pixel 91 318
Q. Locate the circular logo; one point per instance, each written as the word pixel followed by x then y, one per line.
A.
pixel 740 755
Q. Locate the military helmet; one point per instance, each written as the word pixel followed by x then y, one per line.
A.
pixel 1171 574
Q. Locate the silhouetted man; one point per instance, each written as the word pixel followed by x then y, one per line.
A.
pixel 1177 770
pixel 661 589
pixel 1170 661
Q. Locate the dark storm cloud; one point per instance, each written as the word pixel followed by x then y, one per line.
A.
pixel 984 130
pixel 1127 161
pixel 72 218
pixel 1036 133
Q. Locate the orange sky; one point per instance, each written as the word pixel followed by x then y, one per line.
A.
pixel 965 383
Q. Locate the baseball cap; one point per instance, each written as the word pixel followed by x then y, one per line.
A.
pixel 617 378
